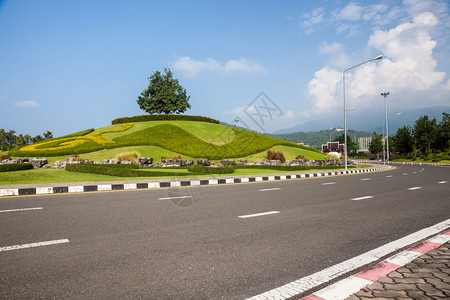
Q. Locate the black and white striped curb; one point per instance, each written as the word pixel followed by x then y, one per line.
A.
pixel 171 184
pixel 404 163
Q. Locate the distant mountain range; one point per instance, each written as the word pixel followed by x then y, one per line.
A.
pixel 316 139
pixel 361 121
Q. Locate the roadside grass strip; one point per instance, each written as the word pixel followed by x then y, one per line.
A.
pixel 32 245
pixel 21 209
pixel 174 183
pixel 354 283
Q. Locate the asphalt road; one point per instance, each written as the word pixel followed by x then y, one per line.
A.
pixel 200 245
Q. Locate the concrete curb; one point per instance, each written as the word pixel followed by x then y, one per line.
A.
pixel 168 184
pixel 354 283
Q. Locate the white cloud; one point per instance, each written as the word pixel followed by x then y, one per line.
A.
pixel 310 20
pixel 190 68
pixel 333 48
pixel 27 104
pixel 352 12
pixel 407 70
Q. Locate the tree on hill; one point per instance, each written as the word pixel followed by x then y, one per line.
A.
pixel 425 133
pixel 376 145
pixel 403 141
pixel 164 94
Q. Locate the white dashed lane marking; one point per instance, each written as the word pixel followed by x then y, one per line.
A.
pixel 442 181
pixel 389 176
pixel 20 209
pixel 172 198
pixel 366 179
pixel 328 183
pixel 32 245
pixel 414 188
pixel 272 189
pixel 362 198
pixel 259 214
pixel 404 174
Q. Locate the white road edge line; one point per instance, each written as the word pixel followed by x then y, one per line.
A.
pixel 309 282
pixel 32 245
pixel 442 181
pixel 328 183
pixel 21 209
pixel 414 188
pixel 362 198
pixel 259 214
pixel 170 198
pixel 272 189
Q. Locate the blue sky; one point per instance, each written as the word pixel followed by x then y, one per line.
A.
pixel 71 65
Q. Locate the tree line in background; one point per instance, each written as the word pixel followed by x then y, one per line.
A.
pixel 427 136
pixel 9 139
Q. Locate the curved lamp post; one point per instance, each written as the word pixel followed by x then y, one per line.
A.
pixel 345 111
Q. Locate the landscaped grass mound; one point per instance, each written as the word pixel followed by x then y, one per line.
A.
pixel 190 138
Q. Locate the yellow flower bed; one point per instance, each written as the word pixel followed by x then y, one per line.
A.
pixel 76 141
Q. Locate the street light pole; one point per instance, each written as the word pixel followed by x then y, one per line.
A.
pixel 345 110
pixel 385 94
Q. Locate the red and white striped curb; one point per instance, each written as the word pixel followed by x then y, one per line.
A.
pixel 352 284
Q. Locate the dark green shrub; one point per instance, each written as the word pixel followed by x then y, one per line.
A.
pixel 118 170
pixel 293 168
pixel 15 167
pixel 200 169
pixel 145 118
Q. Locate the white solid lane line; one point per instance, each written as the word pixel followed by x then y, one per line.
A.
pixel 21 209
pixel 171 198
pixel 365 179
pixel 414 188
pixel 39 244
pixel 312 281
pixel 442 181
pixel 259 214
pixel 272 189
pixel 328 183
pixel 362 198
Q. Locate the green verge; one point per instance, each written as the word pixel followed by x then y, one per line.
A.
pixel 53 176
pixel 145 118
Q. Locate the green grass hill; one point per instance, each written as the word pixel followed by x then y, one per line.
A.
pixel 191 139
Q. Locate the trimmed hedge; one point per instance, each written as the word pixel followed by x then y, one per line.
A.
pixel 145 118
pixel 293 168
pixel 200 169
pixel 113 170
pixel 15 167
pixel 79 133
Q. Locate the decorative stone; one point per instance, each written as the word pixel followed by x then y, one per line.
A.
pixel 204 162
pixel 145 160
pixel 186 162
pixel 227 162
pixel 275 162
pixel 39 163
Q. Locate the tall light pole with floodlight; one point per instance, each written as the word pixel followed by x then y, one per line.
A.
pixel 345 111
pixel 385 94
